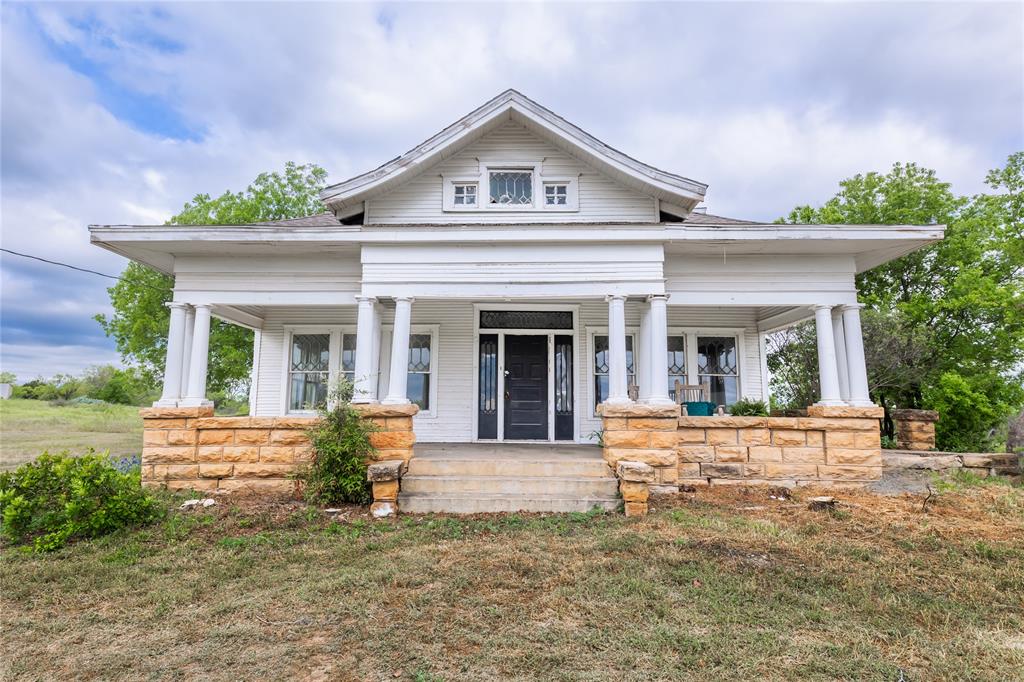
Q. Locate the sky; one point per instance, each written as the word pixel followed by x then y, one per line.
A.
pixel 120 113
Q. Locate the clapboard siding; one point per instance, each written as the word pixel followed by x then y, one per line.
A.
pixel 452 418
pixel 268 280
pixel 420 200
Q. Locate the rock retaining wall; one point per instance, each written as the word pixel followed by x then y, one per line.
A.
pixel 915 429
pixel 189 448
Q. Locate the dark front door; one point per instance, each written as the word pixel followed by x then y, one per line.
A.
pixel 526 387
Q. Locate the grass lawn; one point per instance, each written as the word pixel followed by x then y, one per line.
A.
pixel 28 427
pixel 723 584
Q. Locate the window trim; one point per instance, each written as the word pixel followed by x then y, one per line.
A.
pixel 572 195
pixel 591 364
pixel 448 192
pixel 482 181
pixel 692 333
pixel 485 181
pixel 335 332
pixel 387 332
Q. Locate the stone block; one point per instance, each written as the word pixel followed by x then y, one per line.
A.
pixel 165 423
pixel 839 439
pixel 154 437
pixel 288 437
pixel 217 437
pixel 804 455
pixel 786 470
pixel 398 424
pixel 656 458
pixel 695 453
pixel 730 453
pixel 388 470
pixel 636 508
pixel 192 484
pixel 404 454
pixel 789 437
pixel 262 470
pixel 991 459
pixel 277 453
pixel 215 470
pixel 824 424
pixel 302 423
pixel 901 460
pixel 280 486
pixel 221 422
pixel 252 437
pixel 169 455
pixel 734 482
pixel 240 453
pixel 816 439
pixel 855 457
pixel 182 437
pixel 663 439
pixel 724 422
pixel 384 509
pixel 626 439
pixel 210 453
pixel 754 470
pixel 175 412
pixel 783 422
pixel 615 424
pixel 873 412
pixel 386 440
pixel 688 470
pixel 722 437
pixel 755 437
pixel 634 491
pixel 688 435
pixel 378 410
pixel 764 453
pixel 844 472
pixel 668 475
pixel 175 471
pixel 905 414
pixel 667 489
pixel 637 472
pixel 385 491
pixel 721 470
pixel 652 423
pixel 638 410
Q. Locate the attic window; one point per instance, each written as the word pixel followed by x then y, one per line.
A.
pixel 465 194
pixel 556 194
pixel 511 188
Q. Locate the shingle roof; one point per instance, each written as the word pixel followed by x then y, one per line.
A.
pixel 318 220
pixel 711 219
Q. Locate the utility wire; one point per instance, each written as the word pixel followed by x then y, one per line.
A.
pixel 75 267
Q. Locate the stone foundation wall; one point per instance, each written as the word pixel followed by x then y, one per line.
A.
pixel 643 434
pixel 915 429
pixel 189 448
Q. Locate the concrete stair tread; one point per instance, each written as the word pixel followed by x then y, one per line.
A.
pixel 501 477
pixel 503 496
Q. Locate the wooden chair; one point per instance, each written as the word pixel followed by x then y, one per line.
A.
pixel 692 393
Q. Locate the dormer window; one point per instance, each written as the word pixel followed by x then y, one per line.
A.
pixel 512 187
pixel 464 194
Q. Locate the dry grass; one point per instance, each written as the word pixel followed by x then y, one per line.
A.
pixel 728 584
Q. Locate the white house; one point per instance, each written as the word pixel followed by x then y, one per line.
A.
pixel 508 275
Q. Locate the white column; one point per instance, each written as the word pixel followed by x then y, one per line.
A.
pixel 857 367
pixel 617 375
pixel 840 340
pixel 196 395
pixel 827 372
pixel 643 354
pixel 375 358
pixel 658 365
pixel 365 382
pixel 172 363
pixel 399 354
pixel 186 353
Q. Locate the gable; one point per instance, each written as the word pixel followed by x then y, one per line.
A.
pixel 594 197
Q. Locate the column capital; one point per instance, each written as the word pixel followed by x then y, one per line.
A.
pixel 366 299
pixel 822 306
pixel 614 297
pixel 177 304
pixel 408 299
pixel 851 306
pixel 657 297
pixel 197 306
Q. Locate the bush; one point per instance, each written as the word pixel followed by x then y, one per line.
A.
pixel 60 497
pixel 748 408
pixel 966 414
pixel 341 448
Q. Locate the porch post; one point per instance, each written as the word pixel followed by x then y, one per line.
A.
pixel 617 375
pixel 643 354
pixel 172 364
pixel 365 382
pixel 400 354
pixel 186 354
pixel 658 364
pixel 839 337
pixel 196 395
pixel 827 372
pixel 857 367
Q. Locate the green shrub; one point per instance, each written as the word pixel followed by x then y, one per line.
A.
pixel 748 408
pixel 341 447
pixel 966 414
pixel 58 498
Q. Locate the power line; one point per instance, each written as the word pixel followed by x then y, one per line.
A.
pixel 75 267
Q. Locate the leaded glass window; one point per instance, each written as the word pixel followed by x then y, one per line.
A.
pixel 556 194
pixel 418 383
pixel 511 188
pixel 718 366
pixel 348 357
pixel 525 319
pixel 676 363
pixel 601 366
pixel 465 195
pixel 308 371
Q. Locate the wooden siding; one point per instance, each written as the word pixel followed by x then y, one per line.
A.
pixel 601 200
pixel 266 280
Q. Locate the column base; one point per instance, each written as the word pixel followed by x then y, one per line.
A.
pixel 860 403
pixel 396 401
pixel 666 401
pixel 195 402
pixel 830 403
pixel 618 401
pixel 365 401
pixel 166 402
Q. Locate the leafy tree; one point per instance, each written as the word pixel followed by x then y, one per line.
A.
pixel 8 378
pixel 141 318
pixel 944 328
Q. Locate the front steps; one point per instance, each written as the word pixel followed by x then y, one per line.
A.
pixel 476 478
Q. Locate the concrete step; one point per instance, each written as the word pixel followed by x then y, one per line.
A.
pixel 589 467
pixel 482 503
pixel 522 486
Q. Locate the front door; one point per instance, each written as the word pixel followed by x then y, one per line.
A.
pixel 526 387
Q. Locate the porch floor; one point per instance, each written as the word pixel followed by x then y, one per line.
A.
pixel 526 451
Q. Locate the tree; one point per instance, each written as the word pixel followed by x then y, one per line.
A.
pixel 8 378
pixel 944 328
pixel 141 319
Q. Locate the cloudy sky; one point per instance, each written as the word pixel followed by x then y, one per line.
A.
pixel 120 113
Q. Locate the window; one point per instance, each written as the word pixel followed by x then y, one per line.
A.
pixel 718 366
pixel 418 383
pixel 511 188
pixel 464 195
pixel 308 371
pixel 348 357
pixel 601 357
pixel 676 363
pixel 556 194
